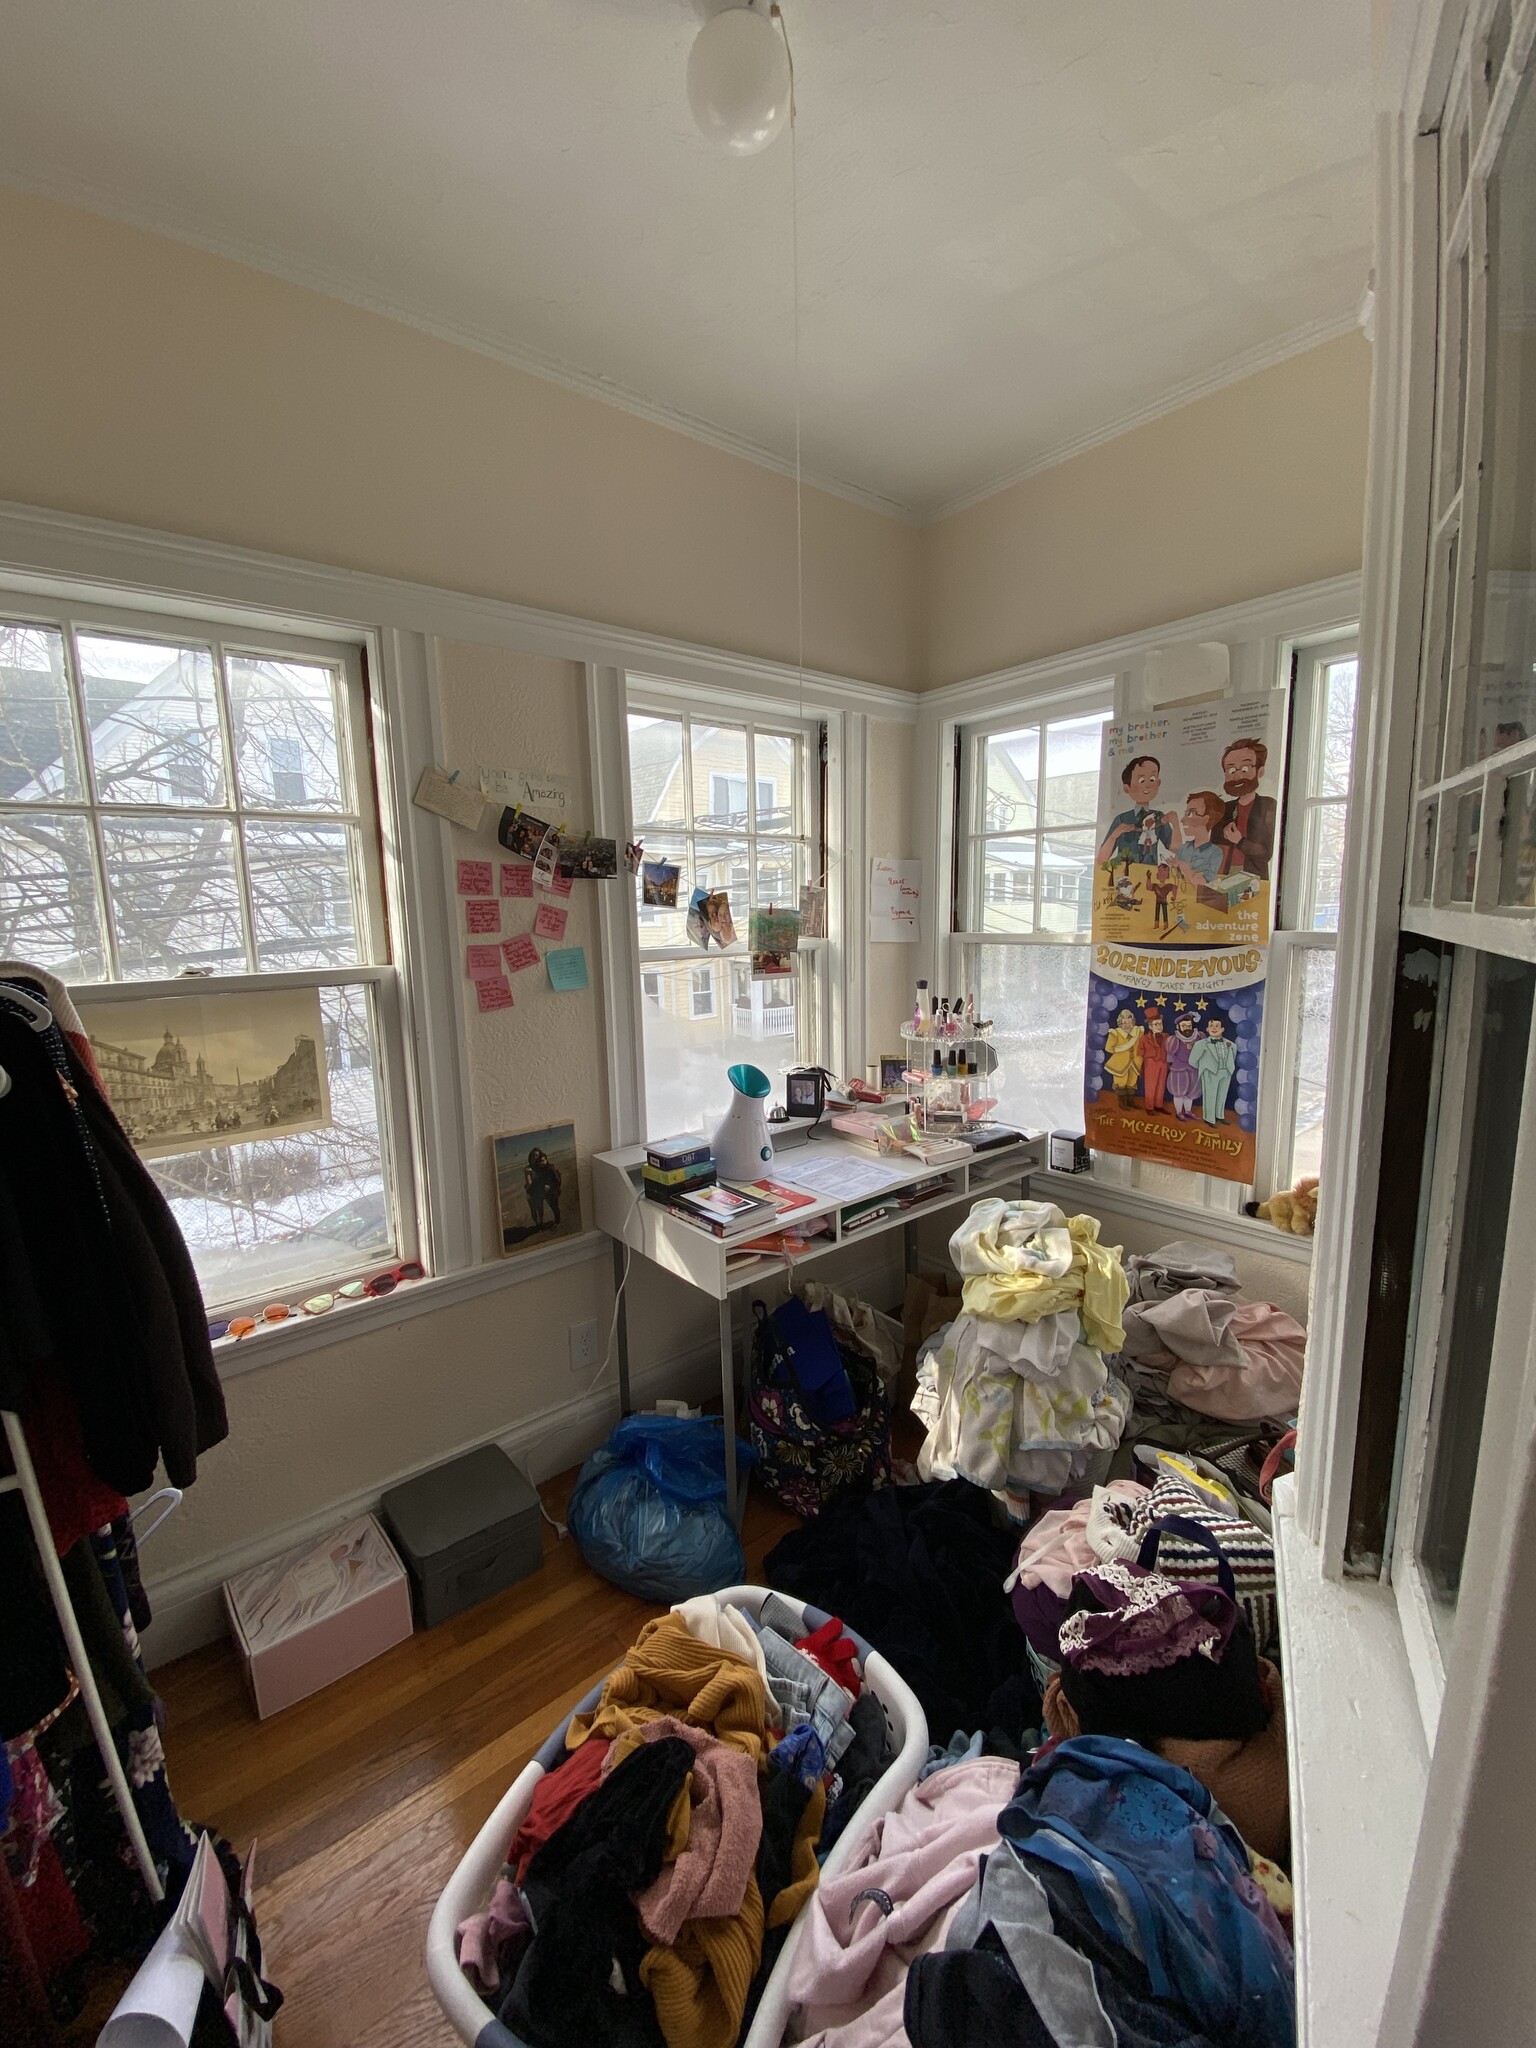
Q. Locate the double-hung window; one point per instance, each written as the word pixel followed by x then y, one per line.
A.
pixel 734 806
pixel 187 811
pixel 1025 843
pixel 1299 1003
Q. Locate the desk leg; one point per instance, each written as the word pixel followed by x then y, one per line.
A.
pixel 909 1245
pixel 728 1407
pixel 621 1328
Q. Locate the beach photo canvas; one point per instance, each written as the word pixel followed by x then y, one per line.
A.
pixel 538 1197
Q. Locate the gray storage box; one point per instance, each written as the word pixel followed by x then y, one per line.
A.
pixel 466 1530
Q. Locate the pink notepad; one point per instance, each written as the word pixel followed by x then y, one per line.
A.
pixel 474 878
pixel 550 922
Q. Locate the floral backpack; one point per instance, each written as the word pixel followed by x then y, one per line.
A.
pixel 803 1462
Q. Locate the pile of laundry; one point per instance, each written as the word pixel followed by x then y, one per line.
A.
pixel 1016 1393
pixel 654 1877
pixel 1108 1895
pixel 1194 1354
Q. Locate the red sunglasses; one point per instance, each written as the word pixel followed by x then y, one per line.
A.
pixel 384 1283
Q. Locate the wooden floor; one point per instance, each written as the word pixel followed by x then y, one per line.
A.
pixel 363 1798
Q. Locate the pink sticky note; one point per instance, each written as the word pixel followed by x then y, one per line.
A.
pixel 482 914
pixel 482 963
pixel 474 878
pixel 557 885
pixel 550 922
pixel 520 952
pixel 516 878
pixel 494 993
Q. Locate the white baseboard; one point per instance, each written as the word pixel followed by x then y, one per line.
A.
pixel 188 1604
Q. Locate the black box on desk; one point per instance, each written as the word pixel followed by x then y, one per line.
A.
pixel 466 1530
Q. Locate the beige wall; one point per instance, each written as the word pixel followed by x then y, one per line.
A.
pixel 148 382
pixel 1255 488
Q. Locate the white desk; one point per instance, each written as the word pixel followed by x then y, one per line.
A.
pixel 695 1255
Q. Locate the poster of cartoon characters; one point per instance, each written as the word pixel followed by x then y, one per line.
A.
pixel 1187 825
pixel 1173 1056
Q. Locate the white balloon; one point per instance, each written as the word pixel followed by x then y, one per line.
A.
pixel 738 81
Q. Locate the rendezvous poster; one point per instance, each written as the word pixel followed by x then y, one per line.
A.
pixel 1188 807
pixel 1173 1056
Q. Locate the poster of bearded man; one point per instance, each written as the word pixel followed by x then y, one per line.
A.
pixel 1187 824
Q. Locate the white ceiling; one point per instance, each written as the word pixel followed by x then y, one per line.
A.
pixel 1021 220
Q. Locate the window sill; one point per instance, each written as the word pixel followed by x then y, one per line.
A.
pixel 1358 1770
pixel 354 1319
pixel 1211 1226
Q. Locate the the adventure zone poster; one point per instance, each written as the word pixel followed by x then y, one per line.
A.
pixel 1187 825
pixel 1173 1057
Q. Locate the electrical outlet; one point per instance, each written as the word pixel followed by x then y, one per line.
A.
pixel 583 1346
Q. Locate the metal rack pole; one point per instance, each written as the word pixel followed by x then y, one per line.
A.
pixel 25 1482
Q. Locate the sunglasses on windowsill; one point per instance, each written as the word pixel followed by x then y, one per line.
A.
pixel 382 1283
pixel 319 1304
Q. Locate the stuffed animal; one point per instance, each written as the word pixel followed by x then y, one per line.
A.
pixel 1293 1209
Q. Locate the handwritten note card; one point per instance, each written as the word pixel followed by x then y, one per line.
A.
pixel 482 914
pixel 516 878
pixel 558 884
pixel 459 802
pixel 474 878
pixel 550 922
pixel 520 952
pixel 482 962
pixel 895 897
pixel 567 968
pixel 493 993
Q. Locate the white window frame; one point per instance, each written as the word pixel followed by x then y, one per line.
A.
pixel 822 994
pixel 374 969
pixel 1294 935
pixel 972 832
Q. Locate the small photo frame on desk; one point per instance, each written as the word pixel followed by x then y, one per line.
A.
pixel 893 1072
pixel 538 1195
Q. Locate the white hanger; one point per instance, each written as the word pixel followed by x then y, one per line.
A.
pixel 36 1012
pixel 171 1495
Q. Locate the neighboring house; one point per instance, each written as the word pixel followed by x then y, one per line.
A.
pixel 1066 870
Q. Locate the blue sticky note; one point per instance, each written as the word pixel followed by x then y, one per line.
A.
pixel 567 968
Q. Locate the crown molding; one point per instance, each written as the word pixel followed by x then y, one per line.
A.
pixel 481 341
pixel 74 553
pixel 1232 371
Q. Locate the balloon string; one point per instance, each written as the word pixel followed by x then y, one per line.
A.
pixel 794 244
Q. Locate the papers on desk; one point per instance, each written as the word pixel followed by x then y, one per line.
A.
pixel 839 1176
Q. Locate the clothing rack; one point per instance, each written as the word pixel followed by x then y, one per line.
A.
pixel 24 1481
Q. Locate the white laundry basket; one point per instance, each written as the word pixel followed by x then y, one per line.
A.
pixel 470 1887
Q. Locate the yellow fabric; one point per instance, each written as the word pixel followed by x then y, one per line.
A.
pixel 804 1870
pixel 1095 1285
pixel 1122 1057
pixel 668 1671
pixel 700 1984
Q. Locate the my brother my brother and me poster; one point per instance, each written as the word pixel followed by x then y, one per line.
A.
pixel 1187 832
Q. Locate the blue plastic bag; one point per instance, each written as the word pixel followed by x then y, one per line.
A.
pixel 649 1509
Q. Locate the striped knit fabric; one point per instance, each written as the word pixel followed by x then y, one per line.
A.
pixel 1246 1548
pixel 668 1671
pixel 700 1983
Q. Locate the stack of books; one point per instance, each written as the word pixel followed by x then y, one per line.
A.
pixel 725 1212
pixel 677 1166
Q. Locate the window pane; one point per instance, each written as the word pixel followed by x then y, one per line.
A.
pixel 301 895
pixel 723 864
pixel 775 772
pixel 287 733
pixel 38 763
pixel 719 777
pixel 1315 996
pixel 1007 886
pixel 688 1046
pixel 1072 750
pixel 1469 822
pixel 1066 881
pixel 152 713
pixel 777 888
pixel 48 910
pixel 1328 875
pixel 1338 736
pixel 1037 998
pixel 175 898
pixel 655 772
pixel 1501 1033
pixel 1012 780
pixel 1501 708
pixel 275 1218
pixel 1517 866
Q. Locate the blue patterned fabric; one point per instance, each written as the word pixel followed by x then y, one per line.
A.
pixel 1165 1874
